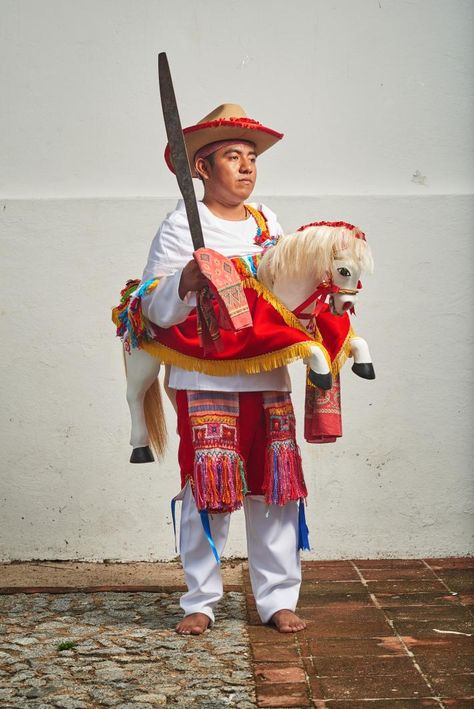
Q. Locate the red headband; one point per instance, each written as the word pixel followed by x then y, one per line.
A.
pixel 210 148
pixel 358 235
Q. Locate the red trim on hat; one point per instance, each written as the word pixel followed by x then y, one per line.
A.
pixel 240 122
pixel 249 123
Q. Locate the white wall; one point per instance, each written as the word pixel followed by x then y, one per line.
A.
pixel 367 93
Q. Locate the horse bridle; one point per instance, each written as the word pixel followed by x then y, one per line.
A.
pixel 325 289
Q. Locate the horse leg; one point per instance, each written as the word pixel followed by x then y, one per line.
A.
pixel 142 371
pixel 362 366
pixel 319 372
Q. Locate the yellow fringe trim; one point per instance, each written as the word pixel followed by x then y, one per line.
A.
pixel 343 353
pixel 288 317
pixel 250 365
pixel 228 367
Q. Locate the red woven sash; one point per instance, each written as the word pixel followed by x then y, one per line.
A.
pixel 225 285
pixel 219 475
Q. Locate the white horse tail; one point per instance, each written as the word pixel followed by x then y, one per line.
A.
pixel 155 419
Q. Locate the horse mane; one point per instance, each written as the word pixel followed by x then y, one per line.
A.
pixel 309 254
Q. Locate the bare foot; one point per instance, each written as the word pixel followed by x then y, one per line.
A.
pixel 287 622
pixel 193 624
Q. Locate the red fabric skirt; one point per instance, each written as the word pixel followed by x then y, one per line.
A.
pixel 251 432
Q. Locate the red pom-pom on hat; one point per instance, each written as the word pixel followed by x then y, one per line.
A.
pixel 226 122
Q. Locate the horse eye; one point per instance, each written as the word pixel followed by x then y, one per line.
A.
pixel 344 271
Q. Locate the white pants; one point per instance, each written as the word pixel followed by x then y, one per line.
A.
pixel 272 545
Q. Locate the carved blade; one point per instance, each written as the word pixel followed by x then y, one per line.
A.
pixel 178 150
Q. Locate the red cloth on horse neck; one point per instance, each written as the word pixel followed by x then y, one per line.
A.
pixel 334 330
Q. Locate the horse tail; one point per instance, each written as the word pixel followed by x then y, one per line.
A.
pixel 155 419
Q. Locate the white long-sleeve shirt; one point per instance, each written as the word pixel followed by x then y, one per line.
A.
pixel 170 251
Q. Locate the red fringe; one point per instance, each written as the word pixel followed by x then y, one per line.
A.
pixel 283 479
pixel 219 481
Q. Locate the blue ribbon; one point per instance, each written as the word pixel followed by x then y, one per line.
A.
pixel 303 531
pixel 207 530
pixel 173 515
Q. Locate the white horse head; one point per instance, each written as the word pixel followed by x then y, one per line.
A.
pixel 330 255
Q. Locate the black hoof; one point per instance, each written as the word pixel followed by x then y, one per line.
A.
pixel 323 381
pixel 366 371
pixel 142 455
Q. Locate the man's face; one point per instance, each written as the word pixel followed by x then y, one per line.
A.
pixel 231 173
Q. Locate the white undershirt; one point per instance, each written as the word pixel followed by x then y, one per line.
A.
pixel 170 251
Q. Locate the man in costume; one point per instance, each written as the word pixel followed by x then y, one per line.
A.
pixel 247 418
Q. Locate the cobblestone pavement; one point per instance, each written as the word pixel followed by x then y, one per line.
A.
pixel 126 653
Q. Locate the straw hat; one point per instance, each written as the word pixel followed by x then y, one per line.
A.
pixel 225 122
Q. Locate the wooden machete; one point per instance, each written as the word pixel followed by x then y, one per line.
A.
pixel 179 154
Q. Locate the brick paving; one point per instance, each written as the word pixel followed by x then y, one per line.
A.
pixel 381 634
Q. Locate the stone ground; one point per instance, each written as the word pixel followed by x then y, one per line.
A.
pixel 125 654
pixel 382 634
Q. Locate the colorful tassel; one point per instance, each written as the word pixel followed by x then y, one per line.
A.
pixel 246 266
pixel 128 316
pixel 283 480
pixel 218 480
pixel 283 476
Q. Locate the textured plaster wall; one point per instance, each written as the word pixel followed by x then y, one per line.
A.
pixel 367 92
pixel 398 483
pixel 374 100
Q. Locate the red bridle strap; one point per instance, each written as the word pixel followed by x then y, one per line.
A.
pixel 319 295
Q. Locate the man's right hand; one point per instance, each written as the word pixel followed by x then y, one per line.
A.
pixel 191 279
